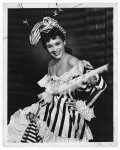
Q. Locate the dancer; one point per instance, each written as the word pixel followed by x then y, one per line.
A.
pixel 66 106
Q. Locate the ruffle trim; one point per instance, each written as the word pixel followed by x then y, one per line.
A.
pixel 16 132
pixel 19 122
pixel 56 81
pixel 86 112
pixel 73 79
pixel 48 136
pixel 18 125
pixel 69 81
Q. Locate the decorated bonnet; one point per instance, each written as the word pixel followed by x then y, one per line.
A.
pixel 44 26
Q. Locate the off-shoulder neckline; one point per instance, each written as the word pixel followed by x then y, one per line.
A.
pixel 67 72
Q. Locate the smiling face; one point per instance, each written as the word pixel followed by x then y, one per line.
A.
pixel 56 47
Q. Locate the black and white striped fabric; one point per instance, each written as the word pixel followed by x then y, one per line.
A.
pixel 68 123
pixel 61 120
pixel 31 133
pixel 44 26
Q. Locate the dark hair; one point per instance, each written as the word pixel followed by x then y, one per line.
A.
pixel 45 37
pixel 68 50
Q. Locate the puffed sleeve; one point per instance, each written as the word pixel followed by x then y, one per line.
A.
pixel 97 84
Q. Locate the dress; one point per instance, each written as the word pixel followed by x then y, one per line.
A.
pixel 56 121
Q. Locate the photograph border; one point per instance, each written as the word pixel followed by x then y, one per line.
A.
pixel 115 70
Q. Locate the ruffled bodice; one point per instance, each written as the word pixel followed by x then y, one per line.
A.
pixel 66 83
pixel 57 121
pixel 75 71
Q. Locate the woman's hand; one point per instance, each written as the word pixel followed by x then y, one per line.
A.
pixel 91 81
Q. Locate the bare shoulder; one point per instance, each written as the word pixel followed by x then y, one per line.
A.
pixel 50 64
pixel 72 60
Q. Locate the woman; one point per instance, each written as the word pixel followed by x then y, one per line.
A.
pixel 66 106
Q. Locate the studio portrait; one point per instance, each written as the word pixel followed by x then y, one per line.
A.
pixel 60 74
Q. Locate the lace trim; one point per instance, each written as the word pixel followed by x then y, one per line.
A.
pixel 68 82
pixel 47 97
pixel 44 81
pixel 86 112
pixel 48 136
pixel 19 122
pixel 63 87
pixel 75 71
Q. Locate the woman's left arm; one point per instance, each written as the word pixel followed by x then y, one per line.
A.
pixel 96 83
pixel 95 86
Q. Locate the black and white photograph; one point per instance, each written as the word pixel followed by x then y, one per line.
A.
pixel 60 68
